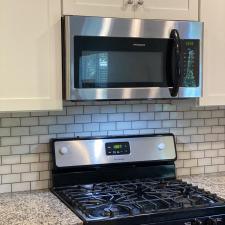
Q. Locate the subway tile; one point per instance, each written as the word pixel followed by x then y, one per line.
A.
pixel 162 115
pixel 5 188
pixel 169 123
pixel 10 178
pixel 147 116
pixel 24 186
pixel 5 150
pixel 5 169
pixel 211 169
pixel 75 110
pixel 10 122
pixel 20 168
pixel 20 149
pixel 74 128
pixel 10 159
pixel 123 125
pixel 155 107
pixel 50 120
pixel 124 108
pixel 7 141
pixel 131 116
pixel 29 121
pixel 32 176
pixel 29 158
pixel 65 119
pixel 91 127
pixel 82 118
pixel 154 124
pixel 38 130
pixel 139 108
pixel 57 129
pixel 43 166
pixel 108 109
pixel 91 109
pixel 19 131
pixel 99 118
pixel 176 115
pixel 25 140
pixel 38 185
pixel 4 132
pixel 139 124
pixel 115 117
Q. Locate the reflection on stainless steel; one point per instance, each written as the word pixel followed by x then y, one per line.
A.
pixel 93 152
pixel 115 27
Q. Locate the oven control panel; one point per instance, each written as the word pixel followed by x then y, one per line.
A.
pixel 117 148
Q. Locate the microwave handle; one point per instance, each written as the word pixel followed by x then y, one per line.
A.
pixel 174 35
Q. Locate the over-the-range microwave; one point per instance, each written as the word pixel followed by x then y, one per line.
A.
pixel 119 59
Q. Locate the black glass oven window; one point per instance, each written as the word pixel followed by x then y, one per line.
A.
pixel 119 68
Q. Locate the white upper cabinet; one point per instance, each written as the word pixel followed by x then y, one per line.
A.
pixel 104 8
pixel 167 9
pixel 30 55
pixel 213 15
pixel 143 9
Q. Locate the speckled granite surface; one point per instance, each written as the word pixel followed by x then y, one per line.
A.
pixel 215 183
pixel 35 208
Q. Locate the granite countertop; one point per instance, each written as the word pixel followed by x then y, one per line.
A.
pixel 214 183
pixel 35 208
pixel 43 208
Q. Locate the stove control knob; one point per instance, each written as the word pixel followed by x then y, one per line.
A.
pixel 197 222
pixel 161 146
pixel 211 221
pixel 63 151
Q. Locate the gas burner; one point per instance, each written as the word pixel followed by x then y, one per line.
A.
pixel 135 197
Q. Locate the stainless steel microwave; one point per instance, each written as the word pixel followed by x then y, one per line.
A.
pixel 113 58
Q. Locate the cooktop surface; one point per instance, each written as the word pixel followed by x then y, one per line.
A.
pixel 134 197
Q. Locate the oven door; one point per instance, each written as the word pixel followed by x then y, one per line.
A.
pixel 119 66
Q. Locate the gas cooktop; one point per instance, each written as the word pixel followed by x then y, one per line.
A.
pixel 134 197
pixel 133 193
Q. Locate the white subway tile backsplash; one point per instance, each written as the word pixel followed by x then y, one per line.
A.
pixel 5 169
pixel 74 128
pixel 30 158
pixel 25 186
pixel 6 141
pixel 10 178
pixel 99 117
pixel 10 122
pixel 115 117
pixel 29 121
pixel 4 132
pixel 37 185
pixel 20 149
pixel 20 168
pixel 25 158
pixel 10 159
pixel 5 150
pixel 123 125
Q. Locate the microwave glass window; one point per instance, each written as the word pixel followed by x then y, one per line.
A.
pixel 99 69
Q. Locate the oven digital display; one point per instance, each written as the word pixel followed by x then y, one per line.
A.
pixel 117 148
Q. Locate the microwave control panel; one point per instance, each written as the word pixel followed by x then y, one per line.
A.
pixel 191 53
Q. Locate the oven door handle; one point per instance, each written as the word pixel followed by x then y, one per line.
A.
pixel 174 35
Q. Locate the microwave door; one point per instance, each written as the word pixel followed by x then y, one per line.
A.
pixel 174 64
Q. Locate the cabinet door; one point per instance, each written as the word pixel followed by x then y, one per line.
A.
pixel 104 8
pixel 167 9
pixel 213 15
pixel 30 55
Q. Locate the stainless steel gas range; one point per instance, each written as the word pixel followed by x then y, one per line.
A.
pixel 129 180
